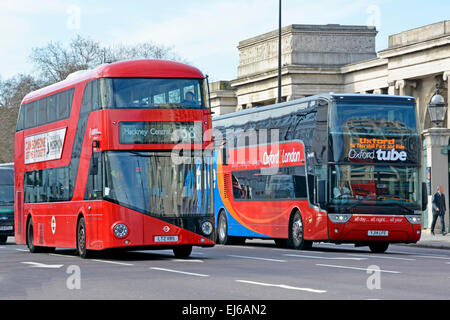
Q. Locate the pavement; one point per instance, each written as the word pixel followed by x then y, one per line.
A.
pixel 437 241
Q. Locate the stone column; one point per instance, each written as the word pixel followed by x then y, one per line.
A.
pixel 446 77
pixel 405 87
pixel 377 91
pixel 400 87
pixel 391 88
pixel 437 139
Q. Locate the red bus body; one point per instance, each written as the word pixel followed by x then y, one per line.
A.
pixel 55 222
pixel 272 190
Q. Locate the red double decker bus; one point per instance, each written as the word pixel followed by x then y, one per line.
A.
pixel 115 157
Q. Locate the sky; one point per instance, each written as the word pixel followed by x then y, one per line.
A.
pixel 204 33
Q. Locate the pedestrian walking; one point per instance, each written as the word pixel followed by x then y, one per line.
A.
pixel 438 209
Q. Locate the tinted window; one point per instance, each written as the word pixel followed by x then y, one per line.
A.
pixel 49 109
pixel 286 183
pixel 155 93
pixel 30 115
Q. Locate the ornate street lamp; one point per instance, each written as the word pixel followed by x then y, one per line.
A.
pixel 437 109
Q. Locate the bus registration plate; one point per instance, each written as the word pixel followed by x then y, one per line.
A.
pixel 166 238
pixel 6 228
pixel 378 233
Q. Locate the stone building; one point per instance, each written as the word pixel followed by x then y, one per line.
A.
pixel 342 59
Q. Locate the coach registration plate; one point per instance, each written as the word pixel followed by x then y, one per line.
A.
pixel 166 238
pixel 378 233
pixel 6 228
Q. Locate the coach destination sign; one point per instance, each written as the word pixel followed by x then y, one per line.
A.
pixel 376 150
pixel 160 132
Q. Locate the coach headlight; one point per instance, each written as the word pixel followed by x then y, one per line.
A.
pixel 207 228
pixel 120 230
pixel 339 217
pixel 414 219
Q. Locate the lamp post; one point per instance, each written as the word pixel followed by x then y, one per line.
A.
pixel 279 51
pixel 437 142
pixel 437 109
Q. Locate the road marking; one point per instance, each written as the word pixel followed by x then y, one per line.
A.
pixel 63 255
pixel 187 260
pixel 381 257
pixel 433 257
pixel 114 262
pixel 256 258
pixel 23 250
pixel 356 268
pixel 182 272
pixel 42 265
pixel 282 286
pixel 324 258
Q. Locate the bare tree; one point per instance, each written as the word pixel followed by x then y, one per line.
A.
pixel 55 61
pixel 14 89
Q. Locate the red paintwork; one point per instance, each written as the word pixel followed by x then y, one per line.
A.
pixel 101 216
pixel 271 218
pixel 356 229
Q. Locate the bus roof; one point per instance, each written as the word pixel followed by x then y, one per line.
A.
pixel 144 68
pixel 349 97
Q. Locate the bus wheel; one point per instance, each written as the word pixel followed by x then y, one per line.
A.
pixel 379 247
pixel 222 228
pixel 81 239
pixel 30 239
pixel 3 239
pixel 182 252
pixel 281 243
pixel 296 240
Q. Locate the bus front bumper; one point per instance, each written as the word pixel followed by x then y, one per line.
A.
pixel 374 228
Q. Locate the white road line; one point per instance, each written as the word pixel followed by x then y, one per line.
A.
pixel 42 265
pixel 381 257
pixel 187 260
pixel 433 257
pixel 323 258
pixel 64 255
pixel 256 258
pixel 114 262
pixel 282 286
pixel 23 250
pixel 2 247
pixel 355 268
pixel 182 272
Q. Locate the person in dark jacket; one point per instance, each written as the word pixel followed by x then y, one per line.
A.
pixel 438 209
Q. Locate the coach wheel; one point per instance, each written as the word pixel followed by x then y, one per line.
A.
pixel 182 252
pixel 81 239
pixel 296 240
pixel 3 239
pixel 281 243
pixel 379 247
pixel 222 229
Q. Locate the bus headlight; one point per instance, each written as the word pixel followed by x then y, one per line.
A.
pixel 339 217
pixel 120 230
pixel 414 219
pixel 207 228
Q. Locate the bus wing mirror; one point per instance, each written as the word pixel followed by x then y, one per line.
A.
pixel 94 165
pixel 322 192
pixel 224 156
pixel 424 196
